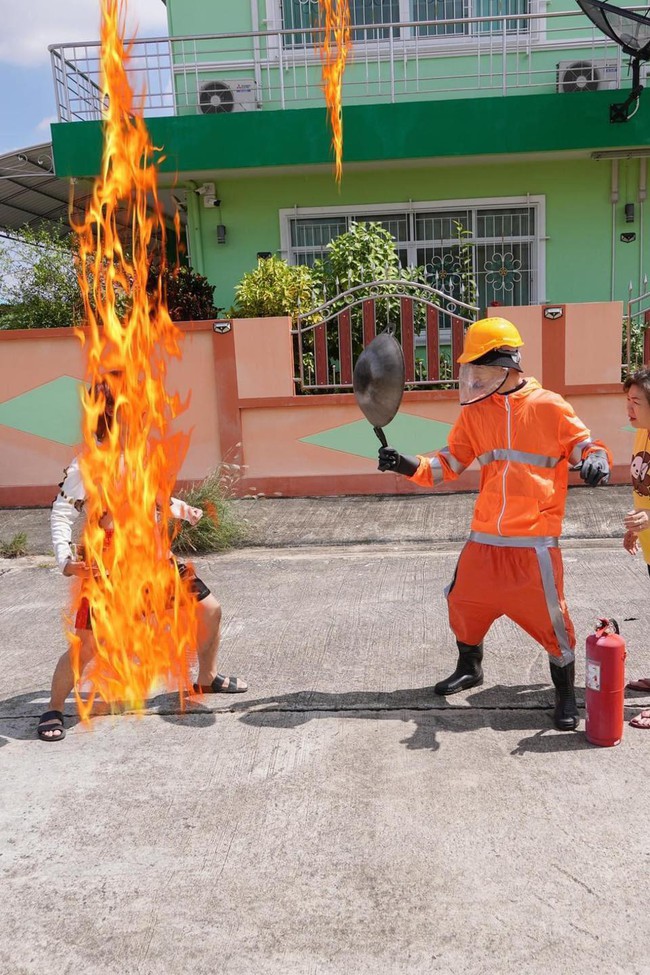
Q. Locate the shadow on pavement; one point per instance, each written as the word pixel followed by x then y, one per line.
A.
pixel 21 712
pixel 433 716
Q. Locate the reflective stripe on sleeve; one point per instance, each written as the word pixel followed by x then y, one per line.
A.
pixel 456 465
pixel 518 457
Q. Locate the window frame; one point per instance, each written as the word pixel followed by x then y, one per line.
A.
pixel 408 41
pixel 369 211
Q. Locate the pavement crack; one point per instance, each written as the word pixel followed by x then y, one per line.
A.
pixel 311 709
pixel 580 883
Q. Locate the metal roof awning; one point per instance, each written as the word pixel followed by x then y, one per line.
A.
pixel 31 194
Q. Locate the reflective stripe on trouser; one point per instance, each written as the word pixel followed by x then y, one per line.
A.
pixel 524 582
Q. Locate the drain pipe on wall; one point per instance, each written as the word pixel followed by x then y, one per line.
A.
pixel 643 193
pixel 195 240
pixel 614 201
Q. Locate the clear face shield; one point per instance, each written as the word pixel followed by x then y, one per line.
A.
pixel 478 382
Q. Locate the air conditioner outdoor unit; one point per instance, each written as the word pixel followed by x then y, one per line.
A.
pixel 231 95
pixel 587 75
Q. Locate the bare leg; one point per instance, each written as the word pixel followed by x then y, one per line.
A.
pixel 209 615
pixel 63 678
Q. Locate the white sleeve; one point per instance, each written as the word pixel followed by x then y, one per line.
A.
pixel 178 508
pixel 65 511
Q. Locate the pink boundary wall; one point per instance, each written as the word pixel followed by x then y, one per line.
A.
pixel 242 408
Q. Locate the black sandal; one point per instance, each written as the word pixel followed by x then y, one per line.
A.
pixel 51 721
pixel 219 686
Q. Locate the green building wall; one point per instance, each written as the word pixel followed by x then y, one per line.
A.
pixel 193 17
pixel 578 216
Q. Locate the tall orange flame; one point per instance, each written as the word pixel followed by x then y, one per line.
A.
pixel 143 616
pixel 335 48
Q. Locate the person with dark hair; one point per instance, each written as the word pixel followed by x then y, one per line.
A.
pixel 637 521
pixel 66 508
pixel 524 438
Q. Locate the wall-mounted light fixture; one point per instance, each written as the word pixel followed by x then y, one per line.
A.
pixel 629 213
pixel 221 233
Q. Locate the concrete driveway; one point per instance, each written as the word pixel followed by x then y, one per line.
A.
pixel 338 818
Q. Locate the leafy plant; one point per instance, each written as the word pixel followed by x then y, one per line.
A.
pixel 38 279
pixel 15 547
pixel 274 288
pixel 189 295
pixel 219 528
pixel 637 327
pixel 364 253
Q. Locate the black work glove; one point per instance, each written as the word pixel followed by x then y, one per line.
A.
pixel 595 468
pixel 391 460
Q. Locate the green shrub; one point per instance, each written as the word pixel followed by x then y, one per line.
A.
pixel 17 546
pixel 274 288
pixel 365 253
pixel 637 327
pixel 219 528
pixel 189 295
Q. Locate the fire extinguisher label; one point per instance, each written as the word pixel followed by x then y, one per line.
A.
pixel 593 675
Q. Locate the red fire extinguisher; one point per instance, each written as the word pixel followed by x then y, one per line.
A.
pixel 605 684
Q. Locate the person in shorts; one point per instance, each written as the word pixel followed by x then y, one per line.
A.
pixel 66 508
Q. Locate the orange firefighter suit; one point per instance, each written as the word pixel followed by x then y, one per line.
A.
pixel 511 565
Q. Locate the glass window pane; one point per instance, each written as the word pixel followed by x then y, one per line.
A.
pixel 305 14
pixel 396 224
pixel 299 13
pixel 504 273
pixel 444 270
pixel 516 222
pixel 316 233
pixel 440 10
pixel 441 226
pixel 488 8
pixel 373 12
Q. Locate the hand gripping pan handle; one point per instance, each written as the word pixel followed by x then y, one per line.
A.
pixel 378 381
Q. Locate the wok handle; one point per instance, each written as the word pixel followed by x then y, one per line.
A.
pixel 380 436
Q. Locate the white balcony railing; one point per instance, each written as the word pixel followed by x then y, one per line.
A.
pixel 280 69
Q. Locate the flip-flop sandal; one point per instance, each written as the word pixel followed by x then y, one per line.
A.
pixel 642 720
pixel 51 721
pixel 642 684
pixel 222 685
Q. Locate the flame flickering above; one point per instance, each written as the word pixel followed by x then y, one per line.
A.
pixel 335 47
pixel 143 616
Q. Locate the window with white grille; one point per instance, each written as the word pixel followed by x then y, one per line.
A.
pixel 504 243
pixel 375 20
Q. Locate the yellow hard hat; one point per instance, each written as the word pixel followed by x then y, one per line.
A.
pixel 489 334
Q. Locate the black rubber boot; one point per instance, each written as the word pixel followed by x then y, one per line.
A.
pixel 468 673
pixel 565 715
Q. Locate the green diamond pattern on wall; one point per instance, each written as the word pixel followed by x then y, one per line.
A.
pixel 51 411
pixel 407 433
